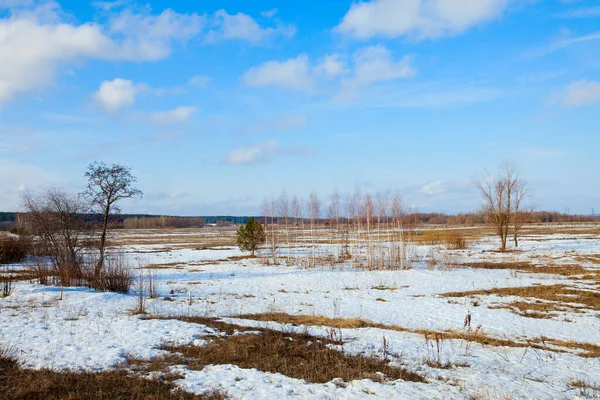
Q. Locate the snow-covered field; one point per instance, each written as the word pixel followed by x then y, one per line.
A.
pixel 81 329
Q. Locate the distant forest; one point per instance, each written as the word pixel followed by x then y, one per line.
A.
pixel 146 221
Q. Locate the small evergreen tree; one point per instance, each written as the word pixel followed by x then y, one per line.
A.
pixel 250 236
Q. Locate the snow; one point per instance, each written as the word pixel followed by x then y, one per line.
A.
pixel 81 329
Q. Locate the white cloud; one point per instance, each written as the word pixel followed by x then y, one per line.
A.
pixel 177 115
pixel 589 12
pixel 269 13
pixel 34 43
pixel 434 188
pixel 252 154
pixel 262 152
pixel 417 18
pixel 372 65
pixel 243 27
pixel 149 37
pixel 290 74
pixel 580 93
pixel 116 94
pixel 331 66
pixel 199 81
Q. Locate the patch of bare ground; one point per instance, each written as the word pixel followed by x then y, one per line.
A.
pixel 295 355
pixel 469 336
pixel 17 383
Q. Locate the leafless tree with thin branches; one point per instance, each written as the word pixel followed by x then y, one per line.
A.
pixel 501 195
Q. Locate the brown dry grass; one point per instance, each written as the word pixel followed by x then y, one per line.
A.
pixel 455 239
pixel 564 297
pixel 17 383
pixel 528 267
pixel 201 239
pixel 295 355
pixel 473 336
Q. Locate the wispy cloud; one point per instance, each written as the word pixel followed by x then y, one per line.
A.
pixel 586 12
pixel 262 152
pixel 577 94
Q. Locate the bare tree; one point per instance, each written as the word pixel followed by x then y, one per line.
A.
pixel 520 214
pixel 55 219
pixel 500 196
pixel 107 185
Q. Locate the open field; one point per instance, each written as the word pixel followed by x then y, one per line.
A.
pixel 470 323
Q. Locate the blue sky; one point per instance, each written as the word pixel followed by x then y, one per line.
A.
pixel 216 105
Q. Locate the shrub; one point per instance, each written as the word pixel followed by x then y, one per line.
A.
pixel 14 249
pixel 116 277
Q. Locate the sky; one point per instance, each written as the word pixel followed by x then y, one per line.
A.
pixel 216 105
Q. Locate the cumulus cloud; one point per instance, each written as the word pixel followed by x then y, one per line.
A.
pixel 243 27
pixel 37 38
pixel 370 65
pixel 177 115
pixel 34 43
pixel 292 74
pixel 375 64
pixel 331 66
pixel 116 94
pixel 417 18
pixel 580 93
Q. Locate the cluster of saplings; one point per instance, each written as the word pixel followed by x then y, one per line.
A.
pixel 370 230
pixel 65 247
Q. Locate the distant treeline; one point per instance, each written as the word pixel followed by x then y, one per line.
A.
pixel 146 221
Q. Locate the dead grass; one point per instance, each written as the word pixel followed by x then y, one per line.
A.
pixel 473 336
pixel 17 383
pixel 295 355
pixel 524 266
pixel 564 298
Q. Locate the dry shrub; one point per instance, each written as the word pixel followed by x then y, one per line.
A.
pixel 115 277
pixel 17 383
pixel 14 249
pixel 455 240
